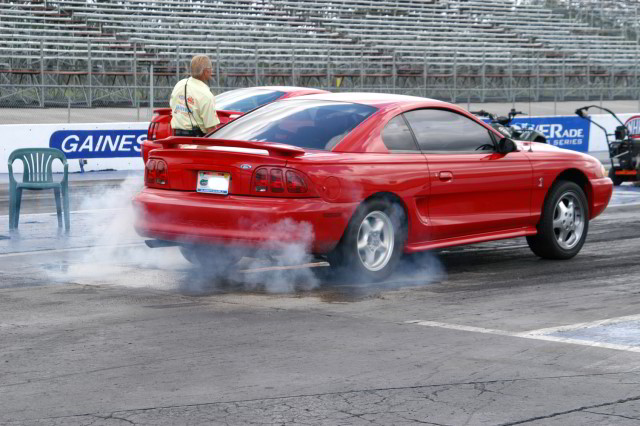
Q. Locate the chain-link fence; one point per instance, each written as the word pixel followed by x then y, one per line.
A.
pixel 44 80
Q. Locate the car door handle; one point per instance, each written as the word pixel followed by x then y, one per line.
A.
pixel 445 176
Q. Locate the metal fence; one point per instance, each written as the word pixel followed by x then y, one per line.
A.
pixel 40 79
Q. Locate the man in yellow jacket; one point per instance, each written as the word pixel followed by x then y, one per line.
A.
pixel 193 106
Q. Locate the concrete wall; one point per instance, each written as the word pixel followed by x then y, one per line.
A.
pixel 117 145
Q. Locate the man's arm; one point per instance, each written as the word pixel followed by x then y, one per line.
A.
pixel 209 116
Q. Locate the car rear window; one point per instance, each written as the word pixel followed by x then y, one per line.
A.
pixel 244 100
pixel 311 124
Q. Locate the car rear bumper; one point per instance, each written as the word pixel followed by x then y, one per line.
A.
pixel 602 191
pixel 191 217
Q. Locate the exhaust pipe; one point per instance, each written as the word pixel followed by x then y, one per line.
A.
pixel 160 243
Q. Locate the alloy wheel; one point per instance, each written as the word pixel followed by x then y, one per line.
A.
pixel 375 242
pixel 568 220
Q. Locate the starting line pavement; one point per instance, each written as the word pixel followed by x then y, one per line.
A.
pixel 619 333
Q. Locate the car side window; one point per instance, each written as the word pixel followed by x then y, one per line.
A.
pixel 446 131
pixel 397 136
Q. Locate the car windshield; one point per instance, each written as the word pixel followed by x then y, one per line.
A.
pixel 244 100
pixel 311 124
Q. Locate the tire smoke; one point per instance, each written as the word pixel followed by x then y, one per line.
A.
pixel 115 248
pixel 282 264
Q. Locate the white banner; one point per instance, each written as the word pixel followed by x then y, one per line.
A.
pixel 104 146
pixel 116 146
pixel 597 138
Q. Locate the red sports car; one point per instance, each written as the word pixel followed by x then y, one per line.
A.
pixel 229 106
pixel 372 176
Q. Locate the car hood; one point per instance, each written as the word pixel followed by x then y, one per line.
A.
pixel 545 147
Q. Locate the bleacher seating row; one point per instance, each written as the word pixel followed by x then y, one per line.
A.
pixel 312 37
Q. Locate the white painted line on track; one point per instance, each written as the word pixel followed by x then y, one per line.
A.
pixel 623 205
pixel 583 325
pixel 71 212
pixel 74 249
pixel 70 249
pixel 537 334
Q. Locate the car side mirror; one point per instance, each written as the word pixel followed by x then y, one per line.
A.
pixel 506 146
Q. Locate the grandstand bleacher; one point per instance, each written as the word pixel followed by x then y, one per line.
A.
pixel 93 52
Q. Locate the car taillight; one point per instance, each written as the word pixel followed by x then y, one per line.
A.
pixel 295 183
pixel 262 180
pixel 276 181
pixel 161 172
pixel 150 171
pixel 156 172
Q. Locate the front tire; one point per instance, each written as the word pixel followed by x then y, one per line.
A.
pixel 373 242
pixel 564 223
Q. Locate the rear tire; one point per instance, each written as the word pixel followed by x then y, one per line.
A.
pixel 617 180
pixel 564 223
pixel 373 242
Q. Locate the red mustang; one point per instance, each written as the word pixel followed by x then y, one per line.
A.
pixel 372 176
pixel 229 106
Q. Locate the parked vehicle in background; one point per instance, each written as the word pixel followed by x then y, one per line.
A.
pixel 229 106
pixel 373 176
pixel 504 125
pixel 624 150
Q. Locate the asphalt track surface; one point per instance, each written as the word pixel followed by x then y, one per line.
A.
pixel 97 329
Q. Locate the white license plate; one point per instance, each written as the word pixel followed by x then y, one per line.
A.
pixel 213 182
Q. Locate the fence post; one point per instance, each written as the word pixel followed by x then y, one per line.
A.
pixel 90 75
pixel 537 88
pixel 426 89
pixel 328 68
pixel 637 63
pixel 612 77
pixel 564 83
pixel 293 67
pixel 393 73
pixel 511 94
pixel 218 67
pixel 151 90
pixel 361 68
pixel 455 76
pixel 484 72
pixel 256 58
pixel 178 64
pixel 41 74
pixel 135 73
pixel 588 91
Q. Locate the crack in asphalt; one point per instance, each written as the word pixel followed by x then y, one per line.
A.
pixel 345 394
pixel 612 415
pixel 112 416
pixel 575 410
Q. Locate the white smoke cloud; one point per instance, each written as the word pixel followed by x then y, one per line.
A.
pixel 281 264
pixel 115 246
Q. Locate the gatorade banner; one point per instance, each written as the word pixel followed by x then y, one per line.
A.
pixel 570 132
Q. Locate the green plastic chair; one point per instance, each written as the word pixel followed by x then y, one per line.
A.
pixel 38 175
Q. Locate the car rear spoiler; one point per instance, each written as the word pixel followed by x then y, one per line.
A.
pixel 162 111
pixel 221 112
pixel 272 147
